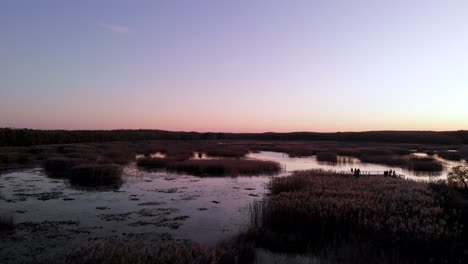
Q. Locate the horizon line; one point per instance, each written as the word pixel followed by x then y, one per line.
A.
pixel 265 132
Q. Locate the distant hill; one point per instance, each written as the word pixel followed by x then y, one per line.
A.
pixel 28 137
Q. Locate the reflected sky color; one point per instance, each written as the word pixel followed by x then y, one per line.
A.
pixel 234 65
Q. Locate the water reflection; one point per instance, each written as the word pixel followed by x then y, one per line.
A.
pixel 347 163
pixel 153 155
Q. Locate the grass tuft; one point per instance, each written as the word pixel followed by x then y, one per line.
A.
pixel 96 175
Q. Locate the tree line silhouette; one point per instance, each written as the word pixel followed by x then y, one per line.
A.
pixel 28 137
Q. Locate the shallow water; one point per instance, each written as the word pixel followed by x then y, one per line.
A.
pixel 303 163
pixel 205 210
pixel 52 217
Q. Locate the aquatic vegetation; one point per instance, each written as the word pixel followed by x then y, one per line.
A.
pixel 450 155
pixel 152 163
pixel 425 164
pixel 293 150
pixel 118 155
pixel 316 207
pixel 211 167
pixel 96 174
pixel 115 252
pixel 18 157
pixel 227 151
pixel 390 160
pixel 168 252
pixel 327 156
pixel 60 167
pixel 7 223
pixel 223 167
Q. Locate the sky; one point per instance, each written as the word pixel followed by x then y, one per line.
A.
pixel 234 66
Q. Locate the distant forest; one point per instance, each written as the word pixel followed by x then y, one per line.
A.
pixel 28 137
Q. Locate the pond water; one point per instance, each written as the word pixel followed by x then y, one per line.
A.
pixel 347 163
pixel 149 206
pixel 52 217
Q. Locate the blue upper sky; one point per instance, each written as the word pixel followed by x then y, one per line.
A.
pixel 234 65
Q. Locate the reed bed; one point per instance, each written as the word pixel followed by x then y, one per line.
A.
pixel 293 150
pixel 168 252
pixel 152 163
pixel 226 151
pixel 224 167
pixel 390 160
pixel 450 155
pixel 60 167
pixel 16 158
pixel 425 164
pixel 327 157
pixel 92 175
pixel 317 207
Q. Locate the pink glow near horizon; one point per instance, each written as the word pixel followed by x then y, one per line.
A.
pixel 235 66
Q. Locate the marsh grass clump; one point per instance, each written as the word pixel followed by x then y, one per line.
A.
pixel 313 208
pixel 60 167
pixel 7 223
pixel 293 150
pixel 118 252
pixel 96 175
pixel 327 157
pixel 376 151
pixel 152 163
pixel 120 153
pixel 16 157
pixel 224 167
pixel 450 155
pixel 390 160
pixel 227 151
pixel 424 164
pixel 168 252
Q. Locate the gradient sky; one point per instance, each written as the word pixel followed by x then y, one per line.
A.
pixel 239 66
